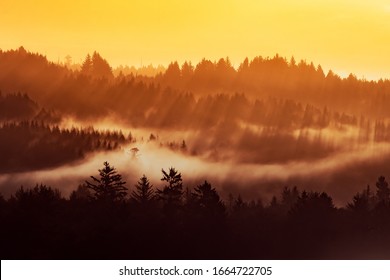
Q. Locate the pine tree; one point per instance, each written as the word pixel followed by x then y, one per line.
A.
pixel 360 203
pixel 82 193
pixel 289 198
pixel 144 192
pixel 172 192
pixel 100 67
pixel 383 191
pixel 109 187
pixel 86 68
pixel 207 199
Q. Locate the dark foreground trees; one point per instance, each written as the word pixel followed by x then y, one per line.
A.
pixel 39 223
pixel 172 192
pixel 143 193
pixel 109 187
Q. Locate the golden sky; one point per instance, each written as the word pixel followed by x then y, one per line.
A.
pixel 345 35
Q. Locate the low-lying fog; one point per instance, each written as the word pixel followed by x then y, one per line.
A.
pixel 341 174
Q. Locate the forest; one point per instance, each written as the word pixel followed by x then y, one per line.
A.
pixel 107 218
pixel 278 159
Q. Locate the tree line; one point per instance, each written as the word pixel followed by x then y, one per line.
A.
pixel 231 122
pixel 55 86
pixel 34 145
pixel 104 218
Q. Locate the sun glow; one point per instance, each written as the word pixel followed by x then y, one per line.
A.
pixel 347 36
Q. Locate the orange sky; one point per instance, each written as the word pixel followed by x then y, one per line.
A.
pixel 345 35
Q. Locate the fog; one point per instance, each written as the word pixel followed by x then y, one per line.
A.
pixel 340 174
pixel 347 168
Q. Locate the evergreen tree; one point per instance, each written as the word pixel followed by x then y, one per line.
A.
pixel 359 204
pixel 289 197
pixel 86 67
pixel 2 203
pixel 207 199
pixel 100 67
pixel 172 192
pixel 109 187
pixel 239 205
pixel 144 192
pixel 187 70
pixel 40 194
pixel 172 74
pixel 313 206
pixel 383 191
pixel 82 193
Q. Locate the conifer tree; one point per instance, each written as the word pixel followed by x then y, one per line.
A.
pixel 207 199
pixel 144 192
pixel 109 187
pixel 383 191
pixel 86 67
pixel 172 192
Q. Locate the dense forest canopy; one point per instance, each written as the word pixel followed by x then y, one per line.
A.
pixel 268 111
pixel 107 218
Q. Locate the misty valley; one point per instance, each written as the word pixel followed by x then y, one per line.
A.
pixel 221 155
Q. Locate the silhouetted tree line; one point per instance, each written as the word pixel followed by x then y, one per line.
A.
pixel 290 97
pixel 96 66
pixel 17 107
pixel 280 78
pixel 106 219
pixel 52 85
pixel 32 145
pixel 20 107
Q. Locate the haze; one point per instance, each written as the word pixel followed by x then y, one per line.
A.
pixel 347 36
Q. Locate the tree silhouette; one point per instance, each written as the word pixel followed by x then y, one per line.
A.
pixel 239 204
pixel 39 195
pixel 172 74
pixel 207 200
pixel 100 67
pixel 172 192
pixel 82 193
pixel 86 67
pixel 96 66
pixel 2 204
pixel 144 192
pixel 362 202
pixel 109 187
pixel 313 206
pixel 383 191
pixel 289 198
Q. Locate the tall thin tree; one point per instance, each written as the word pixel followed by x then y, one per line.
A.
pixel 143 193
pixel 109 187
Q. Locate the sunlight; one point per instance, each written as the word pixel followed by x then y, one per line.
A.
pixel 345 35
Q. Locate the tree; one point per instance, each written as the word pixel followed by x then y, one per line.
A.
pixel 383 191
pixel 239 204
pixel 68 61
pixel 289 197
pixel 183 146
pixel 313 206
pixel 172 74
pixel 100 67
pixel 187 70
pixel 2 202
pixel 109 187
pixel 40 194
pixel 359 203
pixel 172 192
pixel 82 193
pixel 86 67
pixel 207 200
pixel 96 66
pixel 41 200
pixel 144 192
